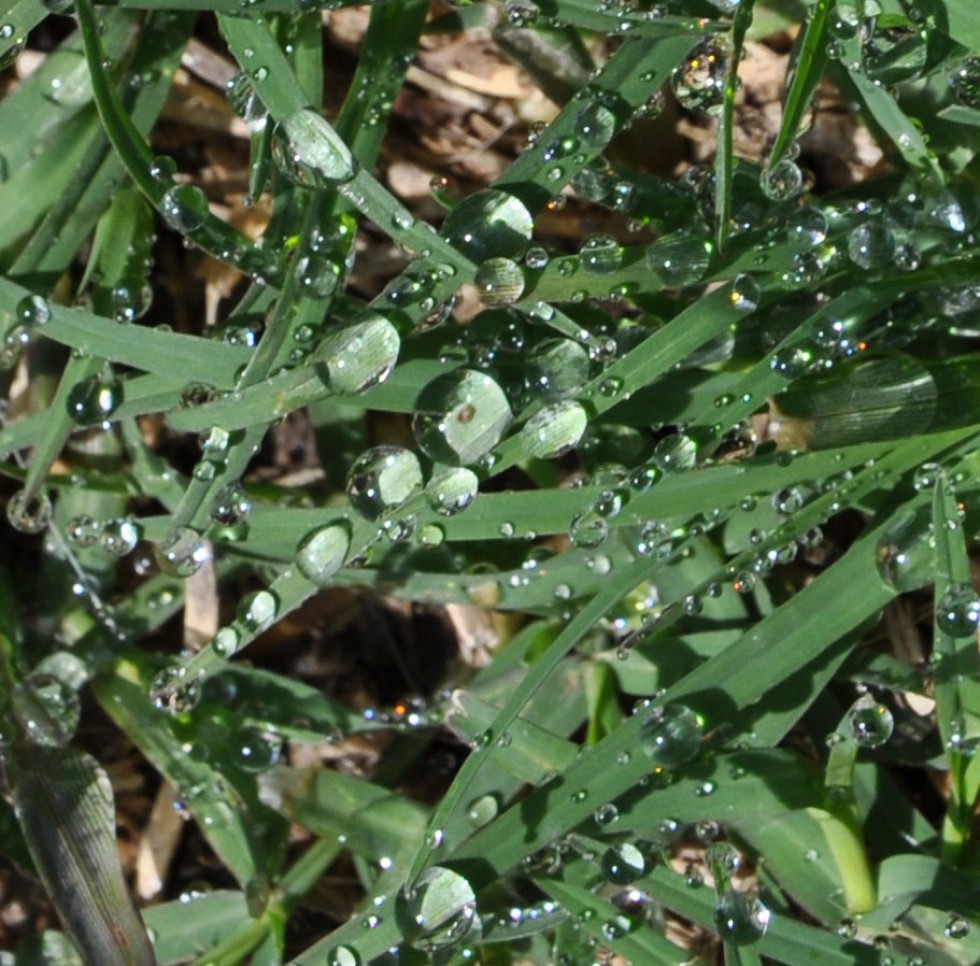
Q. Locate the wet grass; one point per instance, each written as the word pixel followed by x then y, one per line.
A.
pixel 681 458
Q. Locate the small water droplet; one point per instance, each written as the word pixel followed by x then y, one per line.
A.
pixel 322 552
pixel 699 82
pixel 29 514
pixel 741 918
pixel 182 552
pixel 383 478
pixel 185 206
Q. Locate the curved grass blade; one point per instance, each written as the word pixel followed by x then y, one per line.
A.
pixel 64 802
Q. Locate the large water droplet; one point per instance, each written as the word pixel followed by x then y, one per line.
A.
pixel 675 452
pixel 29 514
pixel 554 430
pixel 359 355
pixel 600 254
pixel 173 691
pixel 499 281
pixel 119 537
pixel 322 553
pixel 679 259
pixel 436 912
pixel 310 152
pixel 958 611
pixel 487 224
pixel 783 181
pixel 453 491
pixel 94 400
pixel 623 864
pixel 257 609
pixel 596 125
pixel 871 246
pixel 182 552
pixel 383 478
pixel 556 368
pixel 671 735
pixel 699 82
pixel 461 416
pixel 741 918
pixel 256 749
pixel 185 206
pixel 344 956
pixel 868 722
pixel 45 709
pixel 964 80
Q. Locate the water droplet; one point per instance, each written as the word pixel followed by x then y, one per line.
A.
pixel 343 956
pixel 452 491
pixel 671 735
pixel 871 246
pixel 595 125
pixel 256 749
pixel 605 814
pixel 679 259
pixel 483 810
pixel 958 611
pixel 94 400
pixel 29 514
pixel 309 151
pixel 437 911
pixel 225 642
pixel 83 531
pixel 231 505
pixel 45 709
pixel 119 537
pixel 521 13
pixel 623 864
pixel 745 293
pixel 556 368
pixel 32 310
pixel 554 430
pixel 322 552
pixel 359 355
pixel 588 530
pixel 257 609
pixel 461 416
pixel 741 918
pixel 488 223
pixel 600 254
pixel 699 82
pixel 174 692
pixel 964 80
pixel 675 452
pixel 846 928
pixel 783 181
pixel 185 206
pixel 956 928
pixel 722 858
pixel 499 281
pixel 182 552
pixel 868 722
pixel 383 478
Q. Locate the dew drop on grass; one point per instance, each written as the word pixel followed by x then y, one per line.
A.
pixel 174 692
pixel 437 911
pixel 745 293
pixel 257 609
pixel 343 956
pixel 322 552
pixel 869 722
pixel 679 259
pixel 308 151
pixel 461 416
pixel 958 611
pixel 964 80
pixel 722 858
pixel 46 709
pixel 225 642
pixel 596 125
pixel 499 281
pixel 83 531
pixel 256 749
pixel 382 479
pixel 357 356
pixel 488 223
pixel 588 530
pixel 600 254
pixel 231 505
pixel 483 810
pixel 556 368
pixel 783 181
pixel 956 928
pixel 32 310
pixel 119 537
pixel 29 514
pixel 452 491
pixel 521 13
pixel 93 400
pixel 623 864
pixel 741 918
pixel 871 246
pixel 675 452
pixel 671 735
pixel 182 552
pixel 185 206
pixel 699 82
pixel 554 430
